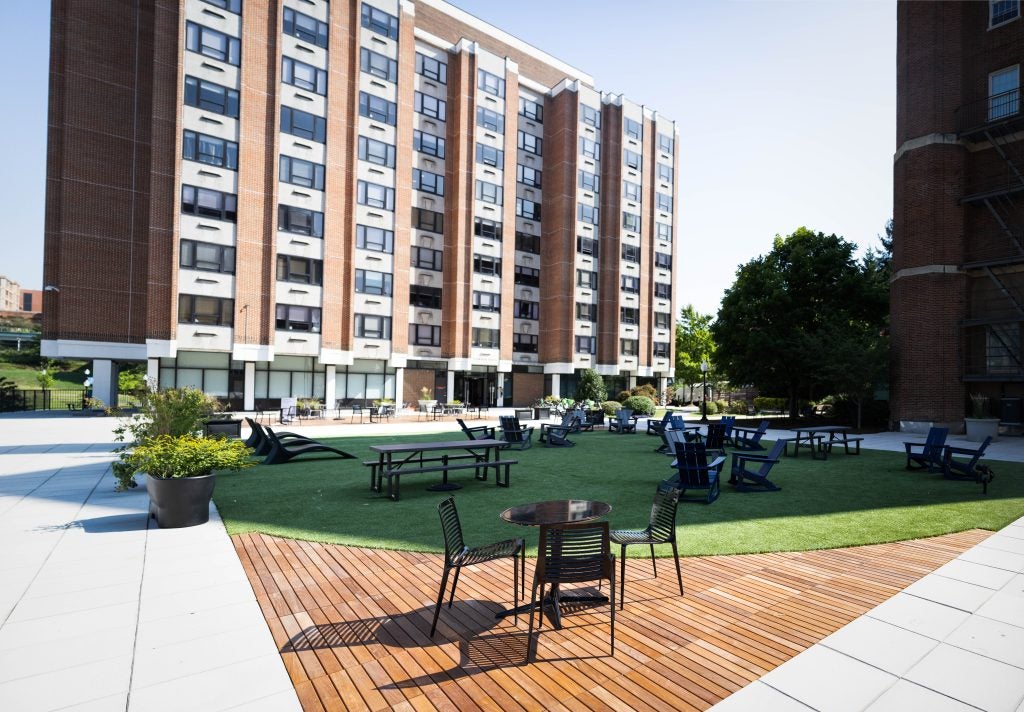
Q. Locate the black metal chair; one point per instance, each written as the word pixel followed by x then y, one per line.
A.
pixel 660 530
pixel 457 555
pixel 572 553
pixel 927 455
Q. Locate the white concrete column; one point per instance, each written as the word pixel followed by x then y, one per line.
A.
pixel 104 381
pixel 631 381
pixel 451 386
pixel 249 386
pixel 662 385
pixel 152 373
pixel 399 389
pixel 499 397
pixel 556 385
pixel 330 385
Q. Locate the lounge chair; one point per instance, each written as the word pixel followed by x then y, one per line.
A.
pixel 622 422
pixel 747 439
pixel 261 443
pixel 927 455
pixel 282 451
pixel 514 434
pixel 749 480
pixel 954 469
pixel 693 471
pixel 478 432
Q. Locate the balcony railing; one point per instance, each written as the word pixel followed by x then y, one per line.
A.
pixel 992 111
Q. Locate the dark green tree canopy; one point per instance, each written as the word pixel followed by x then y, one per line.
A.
pixel 591 386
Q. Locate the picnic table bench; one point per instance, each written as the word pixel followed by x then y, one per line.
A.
pixel 814 438
pixel 397 459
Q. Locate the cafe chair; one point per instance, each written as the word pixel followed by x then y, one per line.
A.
pixel 927 455
pixel 660 530
pixel 457 555
pixel 694 472
pixel 746 479
pixel 571 553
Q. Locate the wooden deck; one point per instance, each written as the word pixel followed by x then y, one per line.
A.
pixel 352 625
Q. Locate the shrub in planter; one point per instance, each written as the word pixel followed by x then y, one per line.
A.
pixel 640 405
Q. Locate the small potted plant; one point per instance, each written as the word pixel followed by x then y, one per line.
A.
pixel 981 424
pixel 426 401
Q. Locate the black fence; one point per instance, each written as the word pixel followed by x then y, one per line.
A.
pixel 69 399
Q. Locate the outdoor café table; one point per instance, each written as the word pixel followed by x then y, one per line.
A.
pixel 810 435
pixel 559 511
pixel 396 459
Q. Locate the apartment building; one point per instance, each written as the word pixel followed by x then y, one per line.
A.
pixel 350 201
pixel 10 295
pixel 958 224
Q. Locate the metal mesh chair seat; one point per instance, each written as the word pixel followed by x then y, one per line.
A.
pixel 489 552
pixel 634 536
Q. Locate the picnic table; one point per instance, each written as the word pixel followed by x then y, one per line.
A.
pixel 814 438
pixel 397 459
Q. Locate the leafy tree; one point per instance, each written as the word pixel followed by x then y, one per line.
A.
pixel 797 319
pixel 591 386
pixel 694 344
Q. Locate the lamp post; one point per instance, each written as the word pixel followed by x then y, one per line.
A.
pixel 704 392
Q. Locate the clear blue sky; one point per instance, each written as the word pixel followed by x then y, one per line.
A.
pixel 786 111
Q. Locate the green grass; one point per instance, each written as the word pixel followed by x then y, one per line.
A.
pixel 25 377
pixel 845 501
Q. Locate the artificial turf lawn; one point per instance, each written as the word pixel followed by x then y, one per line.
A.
pixel 847 500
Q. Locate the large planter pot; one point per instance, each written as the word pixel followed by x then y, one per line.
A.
pixel 541 412
pixel 180 502
pixel 427 405
pixel 523 413
pixel 980 428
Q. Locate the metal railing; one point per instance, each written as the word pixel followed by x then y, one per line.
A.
pixel 981 114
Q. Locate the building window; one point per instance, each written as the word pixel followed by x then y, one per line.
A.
pixel 1002 348
pixel 526 242
pixel 301 221
pixel 371 326
pixel 590 148
pixel 299 172
pixel 375 196
pixel 527 276
pixel 1004 93
pixel 590 181
pixel 634 129
pixel 586 312
pixel 429 106
pixel 524 343
pixel 425 297
pixel 666 143
pixel 488 192
pixel 380 22
pixel 528 209
pixel 487 301
pixel 427 182
pixel 300 270
pixel 663 202
pixel 374 151
pixel 378 65
pixel 587 213
pixel 1002 11
pixel 662 290
pixel 528 176
pixel 529 143
pixel 206 257
pixel 370 282
pixel 486 338
pixel 207 203
pixel 663 260
pixel 629 315
pixel 490 156
pixel 631 221
pixel 486 264
pixel 629 347
pixel 304 76
pixel 305 27
pixel 590 115
pixel 662 320
pixel 490 83
pixel 428 143
pixel 423 219
pixel 431 68
pixel 377 108
pixel 211 97
pixel 531 110
pixel 490 120
pixel 375 238
pixel 424 335
pixel 630 285
pixel 664 231
pixel 291 317
pixel 211 43
pixel 631 190
pixel 487 228
pixel 526 310
pixel 660 349
pixel 632 159
pixel 630 253
pixel 665 173
pixel 210 150
pixel 234 6
pixel 586 344
pixel 211 311
pixel 303 124
pixel 586 278
pixel 586 246
pixel 426 258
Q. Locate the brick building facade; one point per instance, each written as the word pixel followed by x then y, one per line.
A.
pixel 349 200
pixel 958 218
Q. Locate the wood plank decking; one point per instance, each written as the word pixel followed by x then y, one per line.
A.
pixel 352 625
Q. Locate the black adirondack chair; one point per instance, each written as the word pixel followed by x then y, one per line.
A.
pixel 747 439
pixel 749 480
pixel 729 421
pixel 927 455
pixel 656 427
pixel 282 451
pixel 622 422
pixel 954 469
pixel 477 432
pixel 694 472
pixel 714 439
pixel 660 530
pixel 514 434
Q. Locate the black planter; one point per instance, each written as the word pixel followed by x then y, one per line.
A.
pixel 524 413
pixel 541 412
pixel 180 502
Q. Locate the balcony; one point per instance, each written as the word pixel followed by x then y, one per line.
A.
pixel 999 112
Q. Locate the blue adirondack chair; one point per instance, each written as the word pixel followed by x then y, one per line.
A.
pixel 623 422
pixel 927 455
pixel 747 439
pixel 954 469
pixel 729 421
pixel 749 480
pixel 693 471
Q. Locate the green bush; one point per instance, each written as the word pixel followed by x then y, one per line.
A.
pixel 722 406
pixel 646 390
pixel 641 405
pixel 609 407
pixel 762 403
pixel 591 386
pixel 623 395
pixel 738 407
pixel 712 408
pixel 187 456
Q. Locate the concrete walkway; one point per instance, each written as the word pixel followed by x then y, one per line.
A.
pixel 101 610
